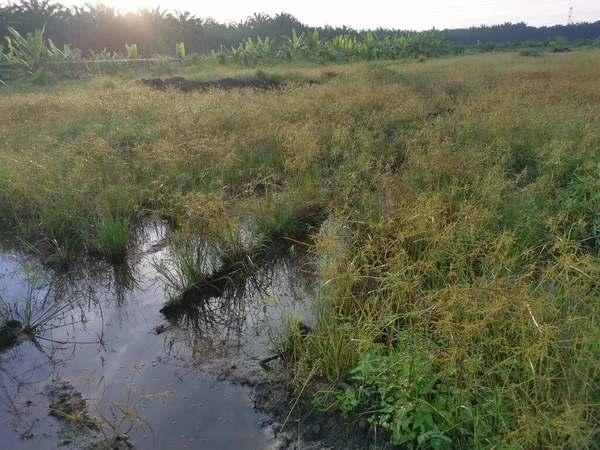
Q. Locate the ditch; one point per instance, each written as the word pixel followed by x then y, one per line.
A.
pixel 191 381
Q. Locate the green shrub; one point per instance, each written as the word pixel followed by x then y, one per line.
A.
pixel 43 77
pixel 530 52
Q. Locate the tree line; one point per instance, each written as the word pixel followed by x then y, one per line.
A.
pixel 96 27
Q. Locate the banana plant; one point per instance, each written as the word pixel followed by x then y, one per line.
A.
pixel 371 47
pixel 4 58
pixel 263 46
pixel 105 55
pixel 26 51
pixel 249 52
pixel 221 55
pixel 100 66
pixel 313 44
pixel 131 51
pixel 180 50
pixel 292 47
pixel 67 54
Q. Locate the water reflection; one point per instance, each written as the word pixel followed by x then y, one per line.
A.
pixel 109 317
pixel 234 319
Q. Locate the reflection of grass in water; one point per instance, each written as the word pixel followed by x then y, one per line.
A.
pixel 215 322
pixel 28 315
pixel 239 250
pixel 98 421
pixel 190 261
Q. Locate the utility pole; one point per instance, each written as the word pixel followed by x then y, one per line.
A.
pixel 570 21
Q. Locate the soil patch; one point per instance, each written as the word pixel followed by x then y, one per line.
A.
pixel 185 85
pixel 294 426
pixel 78 430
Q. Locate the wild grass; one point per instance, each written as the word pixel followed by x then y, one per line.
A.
pixel 459 265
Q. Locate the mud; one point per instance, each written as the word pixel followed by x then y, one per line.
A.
pixel 185 85
pixel 300 428
pixel 12 334
pixel 79 431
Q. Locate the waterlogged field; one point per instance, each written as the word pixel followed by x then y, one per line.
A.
pixel 452 209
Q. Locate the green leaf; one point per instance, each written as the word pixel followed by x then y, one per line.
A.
pixel 419 420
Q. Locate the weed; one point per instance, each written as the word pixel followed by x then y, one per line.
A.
pixel 113 236
pixel 190 263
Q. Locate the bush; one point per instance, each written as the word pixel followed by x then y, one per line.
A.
pixel 43 77
pixel 531 52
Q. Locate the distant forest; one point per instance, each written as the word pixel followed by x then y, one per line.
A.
pixel 95 27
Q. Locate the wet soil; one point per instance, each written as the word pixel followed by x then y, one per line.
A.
pixel 84 433
pixel 185 85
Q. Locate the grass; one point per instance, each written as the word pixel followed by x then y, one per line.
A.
pixel 459 265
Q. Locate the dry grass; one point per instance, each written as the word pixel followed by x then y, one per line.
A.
pixel 463 204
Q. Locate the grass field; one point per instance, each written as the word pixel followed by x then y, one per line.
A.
pixel 459 263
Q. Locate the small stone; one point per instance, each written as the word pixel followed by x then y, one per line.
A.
pixel 315 431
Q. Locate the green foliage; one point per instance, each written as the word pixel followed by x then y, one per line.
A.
pixel 163 66
pixel 131 51
pixel 112 238
pixel 180 50
pixel 43 77
pixel 340 48
pixel 31 53
pixel 190 263
pixel 532 52
pixel 397 391
pixel 456 272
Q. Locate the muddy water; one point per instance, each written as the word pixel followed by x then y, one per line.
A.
pixel 109 318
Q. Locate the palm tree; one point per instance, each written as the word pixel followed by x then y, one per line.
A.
pixel 189 29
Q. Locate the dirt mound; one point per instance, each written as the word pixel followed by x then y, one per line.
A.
pixel 185 85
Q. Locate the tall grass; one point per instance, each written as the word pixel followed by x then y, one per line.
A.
pixel 458 267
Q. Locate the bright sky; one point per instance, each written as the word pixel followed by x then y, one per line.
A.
pixel 402 14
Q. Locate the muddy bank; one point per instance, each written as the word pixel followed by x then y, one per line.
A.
pixel 185 85
pixel 293 425
pixel 288 424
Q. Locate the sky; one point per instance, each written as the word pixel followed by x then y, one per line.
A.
pixel 400 14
